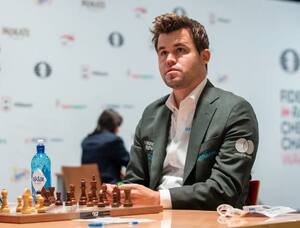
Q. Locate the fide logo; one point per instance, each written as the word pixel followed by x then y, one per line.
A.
pixel 290 61
pixel 42 70
pixel 116 39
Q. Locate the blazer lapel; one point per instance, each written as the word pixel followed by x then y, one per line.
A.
pixel 161 125
pixel 202 117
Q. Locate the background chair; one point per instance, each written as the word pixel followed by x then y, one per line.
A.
pixel 74 174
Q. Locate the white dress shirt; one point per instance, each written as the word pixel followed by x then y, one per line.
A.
pixel 179 135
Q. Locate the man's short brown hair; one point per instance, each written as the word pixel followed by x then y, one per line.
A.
pixel 170 22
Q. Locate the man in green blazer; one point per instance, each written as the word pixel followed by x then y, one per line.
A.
pixel 194 148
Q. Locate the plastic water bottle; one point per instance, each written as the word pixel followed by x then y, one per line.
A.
pixel 40 169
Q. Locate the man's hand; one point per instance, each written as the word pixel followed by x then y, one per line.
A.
pixel 141 195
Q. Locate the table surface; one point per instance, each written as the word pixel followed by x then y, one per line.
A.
pixel 179 218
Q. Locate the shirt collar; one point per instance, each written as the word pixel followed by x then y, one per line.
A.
pixel 194 95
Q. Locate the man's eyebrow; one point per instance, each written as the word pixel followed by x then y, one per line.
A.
pixel 160 48
pixel 180 44
pixel 175 45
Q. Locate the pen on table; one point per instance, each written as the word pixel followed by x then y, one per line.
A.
pixel 101 224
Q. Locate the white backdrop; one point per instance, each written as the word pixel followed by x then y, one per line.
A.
pixel 63 62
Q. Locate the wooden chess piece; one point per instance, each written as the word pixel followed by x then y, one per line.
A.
pixel 31 204
pixel 19 206
pixel 37 193
pixel 36 200
pixel 83 198
pixel 51 196
pixel 68 200
pixel 41 208
pixel 117 190
pixel 72 191
pixel 90 200
pixel 26 207
pixel 101 199
pixel 115 200
pixel 58 201
pixel 4 206
pixel 94 189
pixel 46 197
pixel 127 200
pixel 104 191
pixel 43 192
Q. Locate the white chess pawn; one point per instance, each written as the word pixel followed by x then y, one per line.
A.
pixel 4 207
pixel 19 206
pixel 26 208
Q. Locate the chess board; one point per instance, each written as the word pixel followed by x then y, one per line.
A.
pixel 61 213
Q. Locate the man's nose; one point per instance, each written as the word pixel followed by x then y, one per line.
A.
pixel 171 60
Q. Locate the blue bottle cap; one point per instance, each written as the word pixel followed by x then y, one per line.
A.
pixel 134 222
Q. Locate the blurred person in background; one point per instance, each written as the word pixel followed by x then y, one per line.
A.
pixel 105 148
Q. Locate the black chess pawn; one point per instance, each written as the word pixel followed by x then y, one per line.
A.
pixel 51 196
pixel 117 190
pixel 115 200
pixel 127 200
pixel 58 201
pixel 104 191
pixel 90 202
pixel 68 200
pixel 101 199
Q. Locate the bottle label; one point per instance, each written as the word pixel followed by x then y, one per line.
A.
pixel 38 180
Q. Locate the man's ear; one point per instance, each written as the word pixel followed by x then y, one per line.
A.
pixel 205 54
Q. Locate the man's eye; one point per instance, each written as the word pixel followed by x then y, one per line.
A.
pixel 180 50
pixel 163 53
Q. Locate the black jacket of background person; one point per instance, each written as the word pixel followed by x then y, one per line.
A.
pixel 108 151
pixel 220 155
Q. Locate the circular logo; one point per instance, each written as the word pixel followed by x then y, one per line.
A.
pixel 179 11
pixel 95 213
pixel 42 69
pixel 116 39
pixel 244 146
pixel 289 61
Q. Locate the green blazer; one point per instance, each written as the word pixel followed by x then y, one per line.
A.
pixel 221 151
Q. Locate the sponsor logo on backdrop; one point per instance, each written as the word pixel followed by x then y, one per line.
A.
pixel 87 72
pixel 7 104
pixel 222 78
pixel 290 126
pixel 290 61
pixel 93 4
pixel 34 140
pixel 213 19
pixel 67 39
pixel 15 33
pixel 139 76
pixel 42 69
pixel 179 11
pixel 116 39
pixel 140 11
pixel 68 106
pixel 19 174
pixel 43 2
pixel 3 141
pixel 117 106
